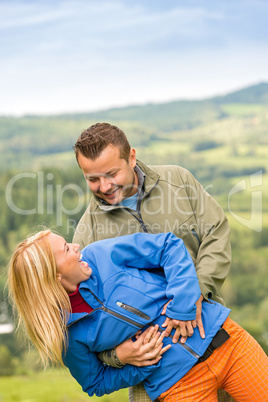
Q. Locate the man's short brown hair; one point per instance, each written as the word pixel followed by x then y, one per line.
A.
pixel 96 138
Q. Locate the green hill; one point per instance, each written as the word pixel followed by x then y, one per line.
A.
pixel 237 118
pixel 250 95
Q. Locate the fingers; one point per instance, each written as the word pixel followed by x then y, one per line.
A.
pixel 199 324
pixel 137 334
pixel 152 341
pixel 163 312
pixel 165 308
pixel 188 330
pixel 183 329
pixel 170 324
pixel 147 335
pixel 158 349
pixel 152 346
pixel 160 339
pixel 165 323
pixel 154 356
pixel 198 320
pixel 177 335
pixel 152 333
pixel 163 350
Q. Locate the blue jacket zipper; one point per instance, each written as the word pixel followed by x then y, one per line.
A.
pixel 111 312
pixel 133 310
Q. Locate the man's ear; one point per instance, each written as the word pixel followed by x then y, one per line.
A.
pixel 132 158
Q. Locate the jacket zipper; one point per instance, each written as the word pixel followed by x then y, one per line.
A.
pixel 139 219
pixel 111 312
pixel 133 310
pixel 193 353
pixel 115 314
pixel 196 235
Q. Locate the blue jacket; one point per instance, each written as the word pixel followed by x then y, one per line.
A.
pixel 132 278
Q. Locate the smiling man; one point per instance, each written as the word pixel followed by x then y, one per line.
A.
pixel 110 177
pixel 130 197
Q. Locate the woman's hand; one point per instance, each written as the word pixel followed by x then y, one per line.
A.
pixel 184 328
pixel 145 351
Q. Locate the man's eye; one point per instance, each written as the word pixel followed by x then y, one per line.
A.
pixel 68 248
pixel 92 180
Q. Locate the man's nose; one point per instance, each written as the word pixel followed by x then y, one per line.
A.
pixel 105 184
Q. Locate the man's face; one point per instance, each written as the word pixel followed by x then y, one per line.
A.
pixel 110 177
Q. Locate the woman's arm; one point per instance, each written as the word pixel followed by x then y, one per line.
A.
pixel 99 379
pixel 166 251
pixel 145 351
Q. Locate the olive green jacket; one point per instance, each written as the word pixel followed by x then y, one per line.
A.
pixel 171 201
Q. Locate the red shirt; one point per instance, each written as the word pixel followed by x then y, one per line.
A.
pixel 78 304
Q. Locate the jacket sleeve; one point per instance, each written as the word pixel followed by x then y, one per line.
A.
pixel 97 378
pixel 166 251
pixel 85 231
pixel 214 255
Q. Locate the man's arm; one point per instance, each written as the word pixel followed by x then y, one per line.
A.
pixel 84 232
pixel 214 254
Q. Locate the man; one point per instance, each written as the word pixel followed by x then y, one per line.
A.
pixel 130 197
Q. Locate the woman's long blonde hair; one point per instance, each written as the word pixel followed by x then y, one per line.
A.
pixel 42 303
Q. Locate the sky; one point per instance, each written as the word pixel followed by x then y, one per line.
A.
pixel 65 56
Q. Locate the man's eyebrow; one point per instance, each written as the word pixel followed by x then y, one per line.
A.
pixel 114 170
pixel 95 175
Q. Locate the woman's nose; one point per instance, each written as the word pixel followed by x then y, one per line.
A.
pixel 76 247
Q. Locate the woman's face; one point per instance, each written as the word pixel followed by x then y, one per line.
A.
pixel 70 269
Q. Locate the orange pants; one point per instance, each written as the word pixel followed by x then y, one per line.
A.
pixel 239 366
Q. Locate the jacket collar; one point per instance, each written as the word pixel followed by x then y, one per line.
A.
pixel 92 293
pixel 75 317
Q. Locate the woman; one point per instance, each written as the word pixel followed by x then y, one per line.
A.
pixel 125 283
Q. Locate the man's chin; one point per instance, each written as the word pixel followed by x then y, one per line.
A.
pixel 113 199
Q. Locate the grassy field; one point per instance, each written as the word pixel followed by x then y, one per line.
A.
pixel 51 386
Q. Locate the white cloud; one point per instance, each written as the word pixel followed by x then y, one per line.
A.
pixel 80 55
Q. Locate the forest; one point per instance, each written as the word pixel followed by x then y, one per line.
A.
pixel 223 141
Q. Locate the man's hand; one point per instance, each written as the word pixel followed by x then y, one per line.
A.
pixel 184 328
pixel 145 351
pixel 198 319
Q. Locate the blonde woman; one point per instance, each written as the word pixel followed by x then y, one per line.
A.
pixel 76 306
